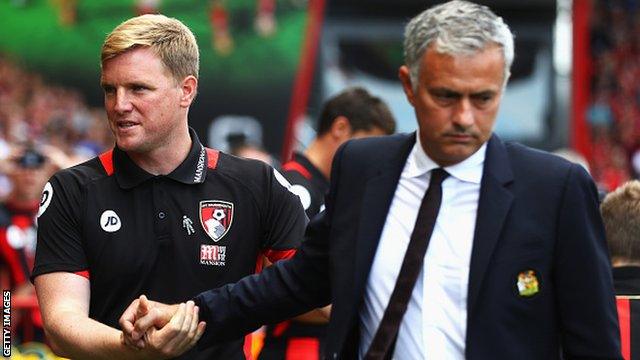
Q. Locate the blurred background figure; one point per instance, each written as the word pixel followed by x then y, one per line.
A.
pixel 67 12
pixel 221 39
pixel 265 22
pixel 147 7
pixel 240 145
pixel 353 113
pixel 621 215
pixel 28 170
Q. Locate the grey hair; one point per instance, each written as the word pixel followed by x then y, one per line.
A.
pixel 456 28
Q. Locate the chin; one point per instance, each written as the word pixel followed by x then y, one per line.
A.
pixel 126 145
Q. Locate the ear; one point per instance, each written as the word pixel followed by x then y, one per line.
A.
pixel 405 79
pixel 340 128
pixel 189 88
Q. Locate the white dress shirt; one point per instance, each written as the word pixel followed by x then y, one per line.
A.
pixel 434 326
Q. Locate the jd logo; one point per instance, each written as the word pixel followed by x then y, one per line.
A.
pixel 110 221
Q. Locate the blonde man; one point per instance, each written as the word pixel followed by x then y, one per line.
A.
pixel 135 220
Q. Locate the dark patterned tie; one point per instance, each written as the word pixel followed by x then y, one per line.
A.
pixel 383 342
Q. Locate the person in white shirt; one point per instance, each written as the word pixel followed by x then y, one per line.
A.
pixel 507 257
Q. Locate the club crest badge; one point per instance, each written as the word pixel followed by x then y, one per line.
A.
pixel 216 217
pixel 528 284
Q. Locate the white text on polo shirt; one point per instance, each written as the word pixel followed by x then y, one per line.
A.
pixel 213 255
pixel 200 166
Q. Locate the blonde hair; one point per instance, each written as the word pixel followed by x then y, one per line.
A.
pixel 621 215
pixel 170 40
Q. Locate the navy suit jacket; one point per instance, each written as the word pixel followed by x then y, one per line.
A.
pixel 535 212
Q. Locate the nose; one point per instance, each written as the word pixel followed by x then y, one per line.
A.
pixel 463 113
pixel 122 104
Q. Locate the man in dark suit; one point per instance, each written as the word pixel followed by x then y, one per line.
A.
pixel 507 258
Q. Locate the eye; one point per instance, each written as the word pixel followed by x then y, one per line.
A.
pixel 483 99
pixel 108 90
pixel 445 98
pixel 139 88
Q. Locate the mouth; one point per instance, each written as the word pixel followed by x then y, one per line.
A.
pixel 123 125
pixel 458 137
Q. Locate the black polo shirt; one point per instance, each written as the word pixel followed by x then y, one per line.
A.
pixel 307 182
pixel 170 236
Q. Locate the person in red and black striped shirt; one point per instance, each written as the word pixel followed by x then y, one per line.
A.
pixel 621 214
pixel 28 171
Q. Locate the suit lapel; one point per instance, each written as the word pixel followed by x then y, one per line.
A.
pixel 493 207
pixel 377 197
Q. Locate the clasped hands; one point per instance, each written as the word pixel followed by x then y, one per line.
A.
pixel 161 330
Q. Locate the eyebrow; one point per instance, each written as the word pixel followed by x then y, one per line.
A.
pixel 452 93
pixel 445 92
pixel 487 93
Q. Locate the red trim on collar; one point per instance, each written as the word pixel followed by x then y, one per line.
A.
pixel 212 156
pixel 296 166
pixel 106 159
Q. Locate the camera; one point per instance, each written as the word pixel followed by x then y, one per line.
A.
pixel 30 158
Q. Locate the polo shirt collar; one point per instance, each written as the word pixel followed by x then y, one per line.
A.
pixel 468 170
pixel 192 170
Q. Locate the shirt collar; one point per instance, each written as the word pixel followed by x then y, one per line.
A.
pixel 301 159
pixel 469 170
pixel 192 170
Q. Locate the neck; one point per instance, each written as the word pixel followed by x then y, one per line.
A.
pixel 166 158
pixel 320 153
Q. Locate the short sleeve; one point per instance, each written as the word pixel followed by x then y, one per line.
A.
pixel 60 245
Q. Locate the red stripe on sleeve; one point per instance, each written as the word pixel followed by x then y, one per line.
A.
pixel 624 318
pixel 275 255
pixel 295 166
pixel 212 158
pixel 84 274
pixel 247 347
pixel 107 161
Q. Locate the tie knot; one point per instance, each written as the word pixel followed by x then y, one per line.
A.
pixel 437 176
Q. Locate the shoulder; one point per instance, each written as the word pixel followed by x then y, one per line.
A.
pixel 545 170
pixel 378 145
pixel 297 172
pixel 524 158
pixel 66 190
pixel 377 150
pixel 80 175
pixel 255 176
